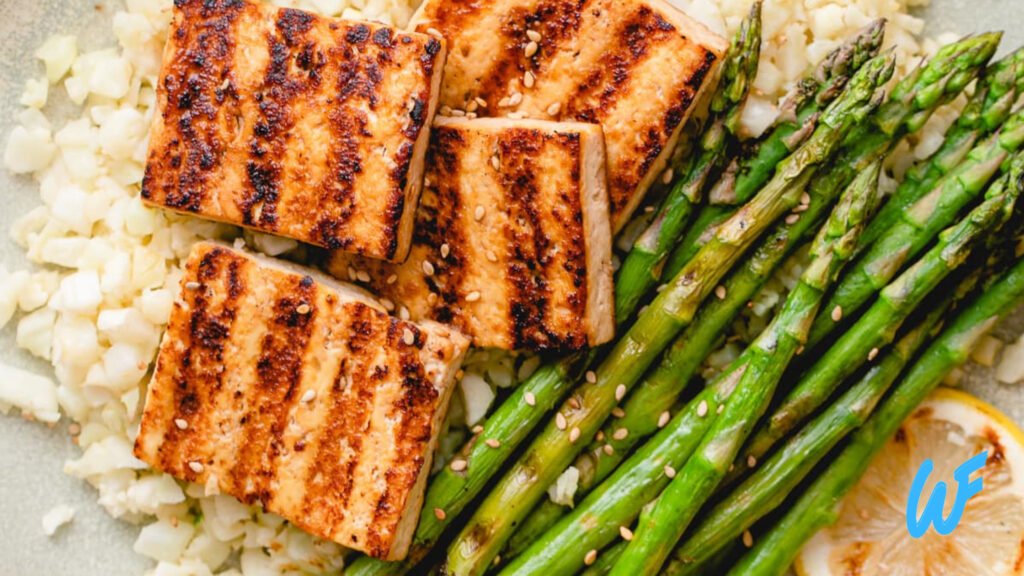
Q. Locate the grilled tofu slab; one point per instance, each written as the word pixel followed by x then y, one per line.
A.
pixel 293 124
pixel 512 242
pixel 281 386
pixel 635 66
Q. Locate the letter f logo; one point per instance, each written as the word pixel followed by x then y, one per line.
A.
pixel 966 489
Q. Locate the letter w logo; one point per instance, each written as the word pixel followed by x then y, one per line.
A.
pixel 966 489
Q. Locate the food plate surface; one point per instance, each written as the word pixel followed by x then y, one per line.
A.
pixel 32 456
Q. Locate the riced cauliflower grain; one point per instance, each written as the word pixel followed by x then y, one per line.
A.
pixel 57 517
pixel 564 489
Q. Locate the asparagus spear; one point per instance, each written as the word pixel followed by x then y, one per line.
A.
pixel 616 502
pixel 986 111
pixel 919 224
pixel 877 326
pixel 912 101
pixel 818 506
pixel 797 119
pixel 638 271
pixel 762 365
pixel 772 481
pixel 555 447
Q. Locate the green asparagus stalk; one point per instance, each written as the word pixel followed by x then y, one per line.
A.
pixel 797 119
pixel 772 481
pixel 818 506
pixel 910 105
pixel 615 503
pixel 638 272
pixel 762 364
pixel 555 447
pixel 919 224
pixel 986 111
pixel 876 328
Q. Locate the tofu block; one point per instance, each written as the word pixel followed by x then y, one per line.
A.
pixel 293 124
pixel 280 386
pixel 512 242
pixel 637 67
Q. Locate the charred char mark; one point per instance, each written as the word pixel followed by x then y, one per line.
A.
pixel 337 189
pixel 293 25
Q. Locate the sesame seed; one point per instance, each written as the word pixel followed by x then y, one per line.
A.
pixel 590 558
pixel 720 292
pixel 392 279
pixel 591 376
pixel 608 449
pixel 352 274
pixel 515 98
pixel 618 412
pixel 529 79
pixel 302 308
pixel 403 313
pixel 492 442
pixel 458 113
pixel 670 471
pixel 181 423
pixel 195 467
pixel 458 465
pixel 432 298
pixel 560 421
pixel 805 198
pixel 439 514
pixel 472 106
pixel 800 350
pixel 473 296
pixel 480 102
pixel 492 256
pixel 530 399
pixel 599 437
pixel 663 419
pixel 554 109
pixel 751 461
pixel 497 560
pixel 428 268
pixel 533 35
pixel 387 304
pixel 477 429
pixel 748 539
pixel 503 103
pixel 445 250
pixel 666 176
pixel 574 435
pixel 434 32
pixel 479 211
pixel 801 209
pixel 872 354
pixel 192 285
pixel 531 49
pixel 792 219
pixel 720 408
pixel 309 395
pixel 620 392
pixel 702 408
pixel 626 533
pixel 471 115
pixel 408 337
pixel 620 434
pixel 837 313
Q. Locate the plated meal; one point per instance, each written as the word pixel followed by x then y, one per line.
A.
pixel 527 287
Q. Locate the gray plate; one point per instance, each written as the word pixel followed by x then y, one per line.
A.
pixel 32 456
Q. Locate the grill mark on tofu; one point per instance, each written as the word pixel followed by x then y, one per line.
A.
pixel 279 371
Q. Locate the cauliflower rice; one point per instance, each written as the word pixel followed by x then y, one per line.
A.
pixel 108 266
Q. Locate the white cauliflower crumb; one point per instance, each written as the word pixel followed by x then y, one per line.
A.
pixel 33 394
pixel 1011 368
pixel 57 517
pixel 564 489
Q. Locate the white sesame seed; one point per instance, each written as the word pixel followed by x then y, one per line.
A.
pixel 497 560
pixel 471 115
pixel 428 268
pixel 195 467
pixel 620 434
pixel 408 337
pixel 530 399
pixel 609 449
pixel 590 558
pixel 363 276
pixel 626 533
pixel 837 313
pixel 492 256
pixel 458 113
pixel 480 102
pixel 387 304
pixel 493 443
pixel 352 274
pixel 434 32
pixel 458 465
pixel 515 98
pixel 403 313
pixel 554 109
pixel 720 408
pixel 560 421
pixel 591 376
pixel 618 412
pixel 666 176
pixel 748 539
pixel 473 296
pixel 529 79
pixel 574 403
pixel 445 250
pixel 533 35
pixel 192 285
pixel 670 471
pixel 309 395
pixel 702 408
pixel 392 279
pixel 503 103
pixel 302 308
pixel 872 354
pixel 531 49
pixel 620 392
pixel 751 461
pixel 472 106
pixel 792 219
pixel 805 198
pixel 432 298
pixel 516 115
pixel 574 435
pixel 181 423
pixel 479 211
pixel 663 419
pixel 496 164
pixel 599 437
pixel 720 292
pixel 439 514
